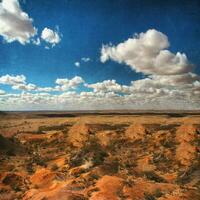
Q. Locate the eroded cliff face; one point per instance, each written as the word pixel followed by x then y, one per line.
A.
pixel 100 158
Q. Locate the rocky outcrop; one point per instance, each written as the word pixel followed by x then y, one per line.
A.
pixel 78 134
pixel 136 132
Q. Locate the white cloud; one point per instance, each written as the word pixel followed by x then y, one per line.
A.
pixel 50 36
pixel 147 53
pixel 15 25
pixel 65 84
pixel 12 80
pixel 36 41
pixel 46 47
pixel 18 82
pixel 72 100
pixel 170 82
pixel 108 86
pixel 180 79
pixel 26 87
pixel 2 92
pixel 45 89
pixel 181 91
pixel 85 59
pixel 77 64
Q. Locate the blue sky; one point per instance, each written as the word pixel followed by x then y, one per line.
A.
pixel 83 27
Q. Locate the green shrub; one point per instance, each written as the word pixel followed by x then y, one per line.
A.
pixel 92 150
pixel 54 167
pixel 154 177
pixel 148 196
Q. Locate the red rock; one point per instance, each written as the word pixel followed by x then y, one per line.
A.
pixel 109 188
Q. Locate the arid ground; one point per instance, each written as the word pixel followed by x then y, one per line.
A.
pixel 103 156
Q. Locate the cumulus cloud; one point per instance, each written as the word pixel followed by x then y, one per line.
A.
pixel 50 36
pixel 26 87
pixel 108 86
pixel 77 64
pixel 15 24
pixel 65 84
pixel 147 53
pixel 180 79
pixel 169 80
pixel 165 83
pixel 73 100
pixel 12 80
pixel 18 82
pixel 180 91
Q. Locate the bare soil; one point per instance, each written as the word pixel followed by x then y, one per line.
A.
pixel 99 156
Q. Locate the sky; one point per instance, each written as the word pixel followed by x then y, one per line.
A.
pixel 99 54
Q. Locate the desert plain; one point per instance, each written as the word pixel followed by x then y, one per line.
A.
pixel 99 156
